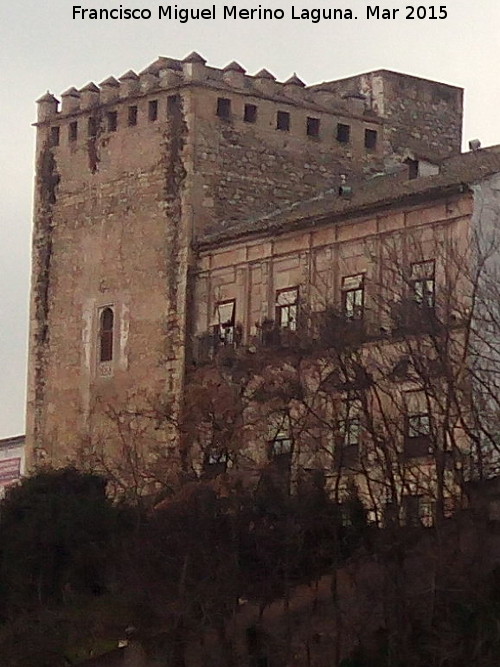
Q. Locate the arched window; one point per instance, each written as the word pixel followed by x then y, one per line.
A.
pixel 106 335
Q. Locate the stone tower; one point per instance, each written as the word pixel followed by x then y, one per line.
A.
pixel 131 172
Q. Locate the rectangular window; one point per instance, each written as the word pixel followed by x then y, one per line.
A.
pixel 224 322
pixel 216 461
pixel 173 104
pixel 92 127
pixel 371 139
pixel 312 128
pixel 281 443
pixel 106 334
pixel 54 136
pixel 283 121
pixel 417 414
pixel 411 510
pixel 152 110
pixel 250 113
pixel 353 297
pixel 112 121
pixel 422 281
pixel 413 168
pixel 73 131
pixel 350 424
pixel 343 133
pixel 418 510
pixel 223 107
pixel 216 455
pixel 287 308
pixel 418 424
pixel 132 116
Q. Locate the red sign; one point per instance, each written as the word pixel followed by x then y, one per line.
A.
pixel 10 470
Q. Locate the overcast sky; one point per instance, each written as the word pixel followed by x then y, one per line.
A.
pixel 42 47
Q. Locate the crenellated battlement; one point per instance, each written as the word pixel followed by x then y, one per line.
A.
pixel 382 111
pixel 165 73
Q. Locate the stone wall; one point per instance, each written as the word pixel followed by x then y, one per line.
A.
pixel 128 173
pixel 419 115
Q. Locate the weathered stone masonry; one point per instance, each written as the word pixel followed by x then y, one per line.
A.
pixel 131 172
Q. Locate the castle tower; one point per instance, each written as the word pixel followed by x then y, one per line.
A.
pixel 131 172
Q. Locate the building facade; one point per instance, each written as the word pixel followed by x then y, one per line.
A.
pixel 185 197
pixel 12 462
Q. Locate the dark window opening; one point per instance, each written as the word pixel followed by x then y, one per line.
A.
pixel 412 169
pixel 418 510
pixel 348 444
pixel 353 297
pixel 173 104
pixel 283 121
pixel 92 127
pixel 343 133
pixel 418 425
pixel 73 131
pixel 112 120
pixel 423 284
pixel 312 127
pixel 216 461
pixel 250 114
pixel 54 136
pixel 223 107
pixel 106 327
pixel 287 308
pixel 224 328
pixel 281 445
pixel 411 510
pixel 132 116
pixel 153 110
pixel 370 139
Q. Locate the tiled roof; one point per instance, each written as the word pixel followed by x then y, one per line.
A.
pixel 368 194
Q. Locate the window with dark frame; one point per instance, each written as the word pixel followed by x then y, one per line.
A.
pixel 343 133
pixel 353 297
pixel 370 139
pixel 223 107
pixel 418 425
pixel 112 121
pixel 225 321
pixel 250 113
pixel 283 121
pixel 54 135
pixel 132 116
pixel 312 127
pixel 73 131
pixel 153 110
pixel 106 329
pixel 287 302
pixel 281 445
pixel 422 281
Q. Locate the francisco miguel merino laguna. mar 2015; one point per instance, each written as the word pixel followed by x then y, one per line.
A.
pixel 314 15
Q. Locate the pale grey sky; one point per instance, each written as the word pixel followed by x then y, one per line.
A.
pixel 42 47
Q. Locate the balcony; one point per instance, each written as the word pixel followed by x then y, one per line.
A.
pixel 417 447
pixel 410 317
